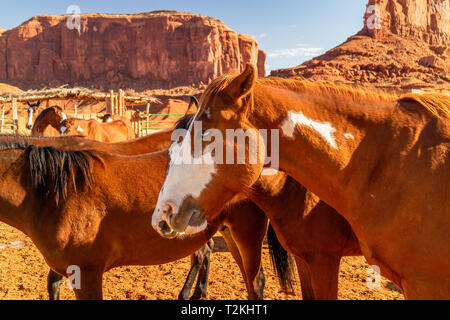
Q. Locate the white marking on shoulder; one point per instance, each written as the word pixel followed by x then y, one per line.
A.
pixel 80 129
pixel 109 120
pixel 325 129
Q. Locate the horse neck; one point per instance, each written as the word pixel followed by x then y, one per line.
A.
pixel 318 137
pixel 51 119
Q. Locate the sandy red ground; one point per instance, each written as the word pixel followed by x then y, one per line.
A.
pixel 23 275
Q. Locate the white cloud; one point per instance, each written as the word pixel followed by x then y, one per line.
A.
pixel 295 52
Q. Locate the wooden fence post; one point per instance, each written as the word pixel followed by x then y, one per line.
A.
pixel 2 119
pixel 147 125
pixel 116 104
pixel 121 102
pixel 110 103
pixel 15 115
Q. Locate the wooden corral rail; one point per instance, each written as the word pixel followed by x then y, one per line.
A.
pixel 78 94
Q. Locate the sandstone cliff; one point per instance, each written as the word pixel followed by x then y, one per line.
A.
pixel 404 44
pixel 160 49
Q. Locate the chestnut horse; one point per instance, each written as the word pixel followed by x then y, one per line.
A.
pixel 313 232
pixel 148 144
pixel 50 195
pixel 53 122
pixel 47 123
pixel 380 160
pixel 113 131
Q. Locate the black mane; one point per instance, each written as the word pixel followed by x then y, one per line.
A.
pixel 184 122
pixel 52 170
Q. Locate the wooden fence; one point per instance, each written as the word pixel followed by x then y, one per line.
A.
pixel 9 124
pixel 143 123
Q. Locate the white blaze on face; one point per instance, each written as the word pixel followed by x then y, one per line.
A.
pixel 325 129
pixel 109 120
pixel 30 117
pixel 186 175
pixel 63 130
pixel 64 117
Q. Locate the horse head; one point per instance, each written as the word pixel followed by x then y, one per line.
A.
pixel 33 108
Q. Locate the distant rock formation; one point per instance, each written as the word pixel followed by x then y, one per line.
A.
pixel 404 44
pixel 160 49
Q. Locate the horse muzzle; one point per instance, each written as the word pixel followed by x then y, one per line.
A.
pixel 189 219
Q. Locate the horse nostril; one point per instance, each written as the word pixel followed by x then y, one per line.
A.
pixel 163 226
pixel 166 230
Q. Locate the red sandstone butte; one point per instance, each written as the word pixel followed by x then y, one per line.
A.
pixel 160 49
pixel 406 48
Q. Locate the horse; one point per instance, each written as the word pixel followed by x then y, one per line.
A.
pixel 50 195
pixel 53 122
pixel 380 160
pixel 113 131
pixel 313 232
pixel 47 123
pixel 148 144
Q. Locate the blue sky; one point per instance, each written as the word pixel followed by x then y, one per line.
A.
pixel 290 31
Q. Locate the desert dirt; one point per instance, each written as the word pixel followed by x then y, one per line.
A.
pixel 23 276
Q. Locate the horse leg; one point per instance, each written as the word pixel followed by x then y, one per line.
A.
pixel 201 289
pixel 423 288
pixel 90 285
pixel 305 278
pixel 248 256
pixel 324 270
pixel 54 282
pixel 196 262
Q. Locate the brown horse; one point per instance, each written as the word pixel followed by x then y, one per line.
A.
pixel 47 123
pixel 380 160
pixel 53 122
pixel 148 144
pixel 50 195
pixel 113 131
pixel 313 232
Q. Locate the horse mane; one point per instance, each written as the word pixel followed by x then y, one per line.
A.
pixel 184 122
pixel 437 104
pixel 52 170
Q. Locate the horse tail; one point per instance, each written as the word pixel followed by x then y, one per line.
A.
pixel 282 262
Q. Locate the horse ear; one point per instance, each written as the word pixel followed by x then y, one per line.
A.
pixel 243 83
